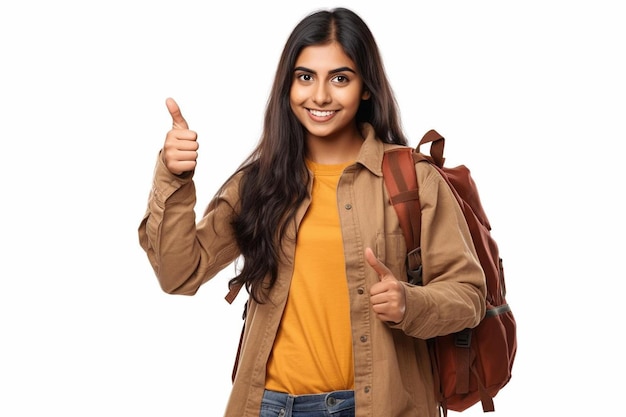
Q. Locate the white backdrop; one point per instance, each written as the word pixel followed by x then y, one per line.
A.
pixel 530 95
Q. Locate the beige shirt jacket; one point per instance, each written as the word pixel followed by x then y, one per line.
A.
pixel 392 368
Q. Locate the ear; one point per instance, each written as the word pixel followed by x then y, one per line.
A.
pixel 366 95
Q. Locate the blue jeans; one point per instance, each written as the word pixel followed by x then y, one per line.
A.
pixel 331 404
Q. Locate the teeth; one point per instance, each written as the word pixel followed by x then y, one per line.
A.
pixel 319 113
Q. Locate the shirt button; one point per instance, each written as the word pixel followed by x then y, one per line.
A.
pixel 360 291
pixel 363 339
pixel 366 389
pixel 348 206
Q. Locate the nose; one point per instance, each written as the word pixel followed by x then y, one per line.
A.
pixel 321 94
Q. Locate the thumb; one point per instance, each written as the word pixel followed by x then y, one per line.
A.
pixel 178 121
pixel 380 268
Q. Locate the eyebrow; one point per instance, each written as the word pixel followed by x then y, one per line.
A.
pixel 334 71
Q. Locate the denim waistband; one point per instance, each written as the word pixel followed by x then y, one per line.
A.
pixel 328 401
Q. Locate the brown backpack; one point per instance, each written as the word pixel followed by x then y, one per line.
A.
pixel 473 364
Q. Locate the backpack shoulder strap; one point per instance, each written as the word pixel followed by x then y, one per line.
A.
pixel 401 182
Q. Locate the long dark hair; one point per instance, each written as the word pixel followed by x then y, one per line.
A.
pixel 275 177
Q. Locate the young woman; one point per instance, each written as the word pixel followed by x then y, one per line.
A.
pixel 332 326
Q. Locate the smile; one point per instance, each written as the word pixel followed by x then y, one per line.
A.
pixel 320 113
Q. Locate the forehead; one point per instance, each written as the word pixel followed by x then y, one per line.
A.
pixel 324 57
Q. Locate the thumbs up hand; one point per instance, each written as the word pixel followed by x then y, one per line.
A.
pixel 180 151
pixel 386 296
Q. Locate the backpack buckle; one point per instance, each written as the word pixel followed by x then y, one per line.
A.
pixel 414 266
pixel 463 339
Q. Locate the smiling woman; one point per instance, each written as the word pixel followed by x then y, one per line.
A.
pixel 325 96
pixel 530 94
pixel 332 325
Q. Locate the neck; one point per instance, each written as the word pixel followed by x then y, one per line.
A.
pixel 331 151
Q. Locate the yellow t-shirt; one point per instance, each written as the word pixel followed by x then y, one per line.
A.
pixel 312 352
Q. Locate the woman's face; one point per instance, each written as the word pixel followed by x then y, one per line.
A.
pixel 326 91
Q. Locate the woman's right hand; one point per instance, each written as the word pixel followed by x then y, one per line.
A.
pixel 180 151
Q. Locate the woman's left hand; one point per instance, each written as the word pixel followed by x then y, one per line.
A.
pixel 387 296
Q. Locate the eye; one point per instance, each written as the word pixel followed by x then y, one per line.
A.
pixel 304 77
pixel 340 79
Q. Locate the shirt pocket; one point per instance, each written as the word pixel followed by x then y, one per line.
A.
pixel 391 250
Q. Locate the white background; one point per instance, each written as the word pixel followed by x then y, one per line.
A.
pixel 530 95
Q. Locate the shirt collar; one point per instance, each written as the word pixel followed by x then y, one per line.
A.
pixel 371 153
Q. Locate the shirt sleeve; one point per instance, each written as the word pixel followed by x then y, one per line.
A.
pixel 453 295
pixel 184 255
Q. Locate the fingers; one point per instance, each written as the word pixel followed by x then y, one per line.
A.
pixel 387 296
pixel 178 121
pixel 180 151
